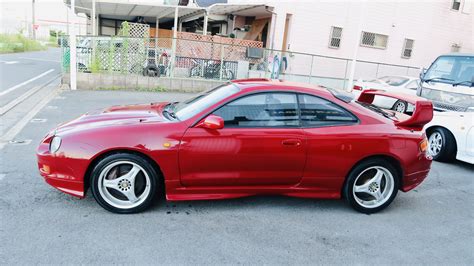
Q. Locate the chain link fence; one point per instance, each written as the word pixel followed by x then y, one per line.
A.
pixel 141 60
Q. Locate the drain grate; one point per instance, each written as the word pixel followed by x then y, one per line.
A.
pixel 20 141
pixel 38 120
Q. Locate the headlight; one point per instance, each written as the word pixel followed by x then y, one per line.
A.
pixel 55 144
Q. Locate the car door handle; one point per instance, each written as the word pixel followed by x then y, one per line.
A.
pixel 291 142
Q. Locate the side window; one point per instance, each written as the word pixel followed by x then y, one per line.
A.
pixel 316 111
pixel 412 85
pixel 261 110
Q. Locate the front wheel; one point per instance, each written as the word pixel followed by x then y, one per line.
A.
pixel 124 183
pixel 371 186
pixel 441 145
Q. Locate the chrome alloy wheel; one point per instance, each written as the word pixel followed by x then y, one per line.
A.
pixel 373 187
pixel 435 144
pixel 124 184
pixel 400 107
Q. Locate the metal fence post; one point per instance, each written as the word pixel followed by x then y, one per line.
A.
pixel 222 61
pixel 173 45
pixel 311 69
pixel 345 75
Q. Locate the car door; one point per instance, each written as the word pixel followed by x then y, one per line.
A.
pixel 330 138
pixel 261 144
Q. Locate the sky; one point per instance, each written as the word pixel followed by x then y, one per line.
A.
pixel 49 15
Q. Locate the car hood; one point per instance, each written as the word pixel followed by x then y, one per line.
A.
pixel 115 116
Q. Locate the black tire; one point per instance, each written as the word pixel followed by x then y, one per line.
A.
pixel 195 71
pixel 151 71
pixel 448 149
pixel 118 157
pixel 228 74
pixel 360 168
pixel 400 106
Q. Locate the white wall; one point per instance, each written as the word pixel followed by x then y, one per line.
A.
pixel 432 24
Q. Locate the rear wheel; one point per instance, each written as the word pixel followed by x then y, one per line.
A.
pixel 442 145
pixel 124 183
pixel 400 106
pixel 371 186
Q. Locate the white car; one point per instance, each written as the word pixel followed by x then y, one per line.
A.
pixel 449 83
pixel 393 84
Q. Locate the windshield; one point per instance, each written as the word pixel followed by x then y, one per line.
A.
pixel 197 104
pixel 457 70
pixel 393 81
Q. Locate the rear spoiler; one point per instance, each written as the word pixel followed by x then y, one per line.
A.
pixel 422 113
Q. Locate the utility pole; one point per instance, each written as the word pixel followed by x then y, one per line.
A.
pixel 33 19
pixel 67 21
pixel 72 48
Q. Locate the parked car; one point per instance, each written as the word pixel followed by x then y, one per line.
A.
pixel 247 137
pixel 394 84
pixel 449 83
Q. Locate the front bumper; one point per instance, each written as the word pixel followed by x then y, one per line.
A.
pixel 57 171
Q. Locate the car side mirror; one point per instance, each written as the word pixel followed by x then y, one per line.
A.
pixel 212 122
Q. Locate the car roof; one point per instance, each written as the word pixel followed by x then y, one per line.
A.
pixel 277 84
pixel 399 76
pixel 458 54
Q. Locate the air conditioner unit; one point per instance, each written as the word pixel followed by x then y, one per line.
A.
pixel 253 52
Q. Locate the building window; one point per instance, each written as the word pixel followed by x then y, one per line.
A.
pixel 407 48
pixel 374 40
pixel 335 38
pixel 456 5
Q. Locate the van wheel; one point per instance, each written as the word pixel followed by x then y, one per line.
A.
pixel 442 145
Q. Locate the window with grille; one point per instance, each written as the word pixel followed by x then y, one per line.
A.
pixel 335 38
pixel 374 40
pixel 456 4
pixel 407 48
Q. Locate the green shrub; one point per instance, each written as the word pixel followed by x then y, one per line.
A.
pixel 14 43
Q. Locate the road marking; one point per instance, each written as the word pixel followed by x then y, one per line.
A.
pixel 25 82
pixel 20 142
pixel 38 120
pixel 24 121
pixel 23 97
pixel 2 176
pixel 8 62
pixel 40 59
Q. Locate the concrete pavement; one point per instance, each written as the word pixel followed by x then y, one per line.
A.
pixel 39 225
pixel 26 79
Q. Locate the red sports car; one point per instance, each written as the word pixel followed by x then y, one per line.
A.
pixel 247 137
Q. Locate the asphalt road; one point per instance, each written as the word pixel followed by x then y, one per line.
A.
pixel 18 67
pixel 38 225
